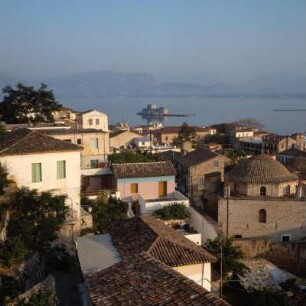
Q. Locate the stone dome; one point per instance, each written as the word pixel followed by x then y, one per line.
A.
pixel 260 169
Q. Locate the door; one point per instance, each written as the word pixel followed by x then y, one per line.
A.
pixel 162 189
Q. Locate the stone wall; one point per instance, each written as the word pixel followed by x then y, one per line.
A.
pixel 283 217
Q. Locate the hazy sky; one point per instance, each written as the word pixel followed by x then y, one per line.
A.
pixel 192 40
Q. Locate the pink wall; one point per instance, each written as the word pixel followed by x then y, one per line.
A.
pixel 148 190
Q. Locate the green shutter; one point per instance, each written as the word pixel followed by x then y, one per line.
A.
pixel 36 173
pixel 61 169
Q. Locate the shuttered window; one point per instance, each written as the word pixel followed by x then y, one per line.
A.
pixel 134 188
pixel 61 169
pixel 36 173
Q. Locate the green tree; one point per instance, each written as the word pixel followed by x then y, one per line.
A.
pixel 131 157
pixel 106 210
pixel 215 138
pixel 231 255
pixel 186 133
pixel 175 211
pixel 43 297
pixel 235 155
pixel 35 219
pixel 26 104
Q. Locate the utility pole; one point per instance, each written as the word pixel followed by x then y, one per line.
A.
pixel 227 207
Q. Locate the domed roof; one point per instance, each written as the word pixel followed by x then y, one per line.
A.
pixel 260 169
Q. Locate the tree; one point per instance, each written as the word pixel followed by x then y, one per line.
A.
pixel 4 181
pixel 43 297
pixel 131 157
pixel 235 155
pixel 231 255
pixel 175 211
pixel 34 222
pixel 251 123
pixel 26 104
pixel 186 133
pixel 106 210
pixel 267 298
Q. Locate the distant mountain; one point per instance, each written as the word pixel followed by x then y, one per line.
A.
pixel 103 84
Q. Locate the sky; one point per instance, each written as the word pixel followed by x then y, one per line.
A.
pixel 201 41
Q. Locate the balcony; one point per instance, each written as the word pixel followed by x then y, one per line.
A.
pixel 148 206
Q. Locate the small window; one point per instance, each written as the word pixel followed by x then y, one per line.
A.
pixel 61 169
pixel 97 121
pixel 134 188
pixel 79 141
pixel 90 122
pixel 286 238
pixel 263 191
pixel 237 236
pixel 36 173
pixel 262 218
pixel 94 163
pixel 94 143
pixel 67 140
pixel 201 182
pixel 215 163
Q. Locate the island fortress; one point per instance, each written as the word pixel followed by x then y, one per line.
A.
pixel 262 198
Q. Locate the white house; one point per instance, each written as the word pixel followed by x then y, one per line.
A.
pixel 37 161
pixel 92 119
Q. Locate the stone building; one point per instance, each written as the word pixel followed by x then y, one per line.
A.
pixel 262 199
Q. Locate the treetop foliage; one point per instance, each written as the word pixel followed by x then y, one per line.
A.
pixel 25 104
pixel 186 133
pixel 175 211
pixel 131 157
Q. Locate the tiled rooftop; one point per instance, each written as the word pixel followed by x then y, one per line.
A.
pixel 260 169
pixel 151 169
pixel 143 280
pixel 25 141
pixel 135 235
pixel 196 157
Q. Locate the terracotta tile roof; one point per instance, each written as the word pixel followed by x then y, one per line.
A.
pixel 143 280
pixel 25 141
pixel 260 169
pixel 196 157
pixel 151 169
pixel 135 235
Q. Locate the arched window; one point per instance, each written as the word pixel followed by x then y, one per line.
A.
pixel 262 217
pixel 263 191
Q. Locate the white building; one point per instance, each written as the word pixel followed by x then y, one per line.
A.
pixel 92 119
pixel 37 161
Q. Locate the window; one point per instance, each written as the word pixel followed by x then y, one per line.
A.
pixel 286 238
pixel 97 121
pixel 90 122
pixel 201 182
pixel 94 143
pixel 263 191
pixel 215 163
pixel 67 140
pixel 36 173
pixel 94 163
pixel 61 169
pixel 237 236
pixel 262 217
pixel 79 141
pixel 134 188
pixel 162 189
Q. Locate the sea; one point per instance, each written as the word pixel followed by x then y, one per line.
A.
pixel 206 110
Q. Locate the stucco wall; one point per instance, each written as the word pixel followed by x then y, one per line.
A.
pixel 147 187
pixel 122 140
pixel 199 273
pixel 203 225
pixel 83 120
pixel 20 169
pixel 283 217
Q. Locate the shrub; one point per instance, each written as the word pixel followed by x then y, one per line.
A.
pixel 175 211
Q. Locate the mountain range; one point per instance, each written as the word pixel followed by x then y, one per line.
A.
pixel 103 84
